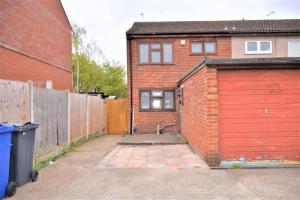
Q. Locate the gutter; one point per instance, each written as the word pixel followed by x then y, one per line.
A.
pixel 244 63
pixel 191 34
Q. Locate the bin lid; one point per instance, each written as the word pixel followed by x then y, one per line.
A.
pixel 25 127
pixel 5 128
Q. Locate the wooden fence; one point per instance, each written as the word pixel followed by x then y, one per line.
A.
pixel 63 117
pixel 78 116
pixel 116 115
pixel 95 114
pixel 14 101
pixel 50 111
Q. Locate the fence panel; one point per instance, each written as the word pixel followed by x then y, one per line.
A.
pixel 95 114
pixel 50 111
pixel 116 116
pixel 62 117
pixel 78 116
pixel 14 101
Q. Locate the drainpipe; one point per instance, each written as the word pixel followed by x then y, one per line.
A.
pixel 131 82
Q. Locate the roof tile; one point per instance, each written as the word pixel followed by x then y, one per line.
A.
pixel 234 26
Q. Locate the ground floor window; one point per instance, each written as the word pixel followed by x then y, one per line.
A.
pixel 157 99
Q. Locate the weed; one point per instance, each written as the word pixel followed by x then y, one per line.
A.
pixel 235 166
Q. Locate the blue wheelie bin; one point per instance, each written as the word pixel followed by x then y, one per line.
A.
pixel 6 188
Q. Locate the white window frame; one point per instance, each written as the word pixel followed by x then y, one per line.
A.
pixel 258 47
pixel 159 50
pixel 154 94
pixel 289 50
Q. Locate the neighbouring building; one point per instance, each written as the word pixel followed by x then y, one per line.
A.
pixel 228 86
pixel 265 46
pixel 35 43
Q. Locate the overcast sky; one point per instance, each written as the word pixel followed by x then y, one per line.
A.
pixel 106 21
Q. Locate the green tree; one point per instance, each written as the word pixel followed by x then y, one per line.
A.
pixel 113 80
pixel 108 77
pixel 91 74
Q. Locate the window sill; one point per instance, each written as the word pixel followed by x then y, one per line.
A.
pixel 258 53
pixel 203 54
pixel 171 110
pixel 145 64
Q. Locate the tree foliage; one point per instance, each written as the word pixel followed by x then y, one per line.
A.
pixel 107 77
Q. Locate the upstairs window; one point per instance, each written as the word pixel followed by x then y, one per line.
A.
pixel 258 47
pixel 209 47
pixel 157 100
pixel 155 53
pixel 294 48
pixel 199 47
pixel 168 53
pixel 143 49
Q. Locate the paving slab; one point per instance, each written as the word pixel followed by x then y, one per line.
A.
pixel 152 156
pixel 153 139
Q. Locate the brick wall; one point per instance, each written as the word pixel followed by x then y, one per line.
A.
pixel 40 31
pixel 165 76
pixel 200 114
pixel 15 66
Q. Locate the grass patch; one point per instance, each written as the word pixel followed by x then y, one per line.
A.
pixel 45 162
pixel 235 166
pixel 40 165
pixel 78 142
pixel 94 135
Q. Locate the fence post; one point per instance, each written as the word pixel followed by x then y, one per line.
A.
pixel 104 117
pixel 69 118
pixel 30 84
pixel 100 115
pixel 87 117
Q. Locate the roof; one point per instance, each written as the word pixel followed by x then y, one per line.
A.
pixel 209 27
pixel 244 63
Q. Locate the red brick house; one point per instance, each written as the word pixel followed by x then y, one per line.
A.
pixel 178 72
pixel 35 42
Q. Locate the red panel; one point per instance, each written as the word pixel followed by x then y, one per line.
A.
pixel 265 155
pixel 259 114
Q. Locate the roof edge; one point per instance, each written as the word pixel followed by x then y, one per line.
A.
pixel 128 33
pixel 195 69
pixel 133 29
pixel 65 13
pixel 244 63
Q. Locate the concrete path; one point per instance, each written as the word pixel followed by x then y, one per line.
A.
pixel 81 175
pixel 56 178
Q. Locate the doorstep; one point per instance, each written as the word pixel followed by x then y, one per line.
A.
pixel 170 138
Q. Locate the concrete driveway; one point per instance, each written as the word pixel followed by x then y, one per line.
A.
pixel 84 174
